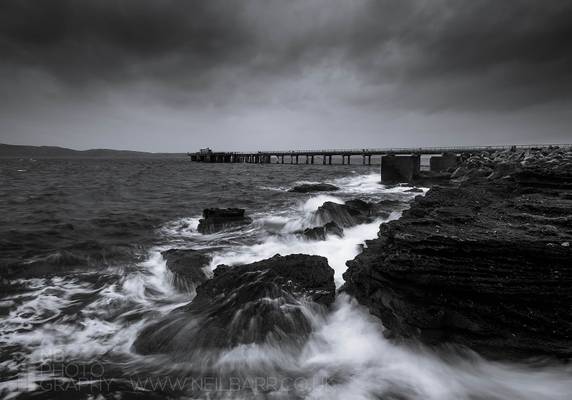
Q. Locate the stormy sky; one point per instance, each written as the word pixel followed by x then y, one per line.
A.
pixel 169 75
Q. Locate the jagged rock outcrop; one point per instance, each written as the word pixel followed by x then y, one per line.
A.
pixel 314 187
pixel 263 302
pixel 484 263
pixel 187 268
pixel 217 219
pixel 321 232
pixel 353 212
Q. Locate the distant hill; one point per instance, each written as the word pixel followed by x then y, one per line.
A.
pixel 17 151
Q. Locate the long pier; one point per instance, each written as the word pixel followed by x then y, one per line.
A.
pixel 400 164
pixel 325 155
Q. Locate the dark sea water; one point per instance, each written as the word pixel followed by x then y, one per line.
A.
pixel 82 274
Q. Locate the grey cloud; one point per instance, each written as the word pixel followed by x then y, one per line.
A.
pixel 244 74
pixel 92 39
pixel 506 54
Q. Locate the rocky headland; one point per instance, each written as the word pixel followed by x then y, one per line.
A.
pixel 484 261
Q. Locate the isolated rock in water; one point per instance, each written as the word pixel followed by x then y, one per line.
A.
pixel 320 232
pixel 484 264
pixel 187 267
pixel 217 219
pixel 353 212
pixel 314 187
pixel 263 302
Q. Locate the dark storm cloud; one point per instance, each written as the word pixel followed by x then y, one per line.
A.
pixel 480 54
pixel 99 39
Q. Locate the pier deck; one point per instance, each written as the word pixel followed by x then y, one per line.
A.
pixel 293 156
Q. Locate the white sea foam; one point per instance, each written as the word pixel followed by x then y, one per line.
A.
pixel 368 185
pixel 336 250
pixel 40 322
pixel 183 227
pixel 350 349
pixel 312 204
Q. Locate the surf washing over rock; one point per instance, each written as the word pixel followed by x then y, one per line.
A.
pixel 246 310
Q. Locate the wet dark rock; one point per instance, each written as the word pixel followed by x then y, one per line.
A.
pixel 414 190
pixel 262 302
pixel 485 263
pixel 187 267
pixel 217 219
pixel 389 205
pixel 353 212
pixel 314 187
pixel 462 174
pixel 321 232
pixel 429 178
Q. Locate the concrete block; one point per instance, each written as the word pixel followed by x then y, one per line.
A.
pixel 396 169
pixel 443 162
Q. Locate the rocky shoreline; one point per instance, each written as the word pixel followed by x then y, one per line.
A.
pixel 484 261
